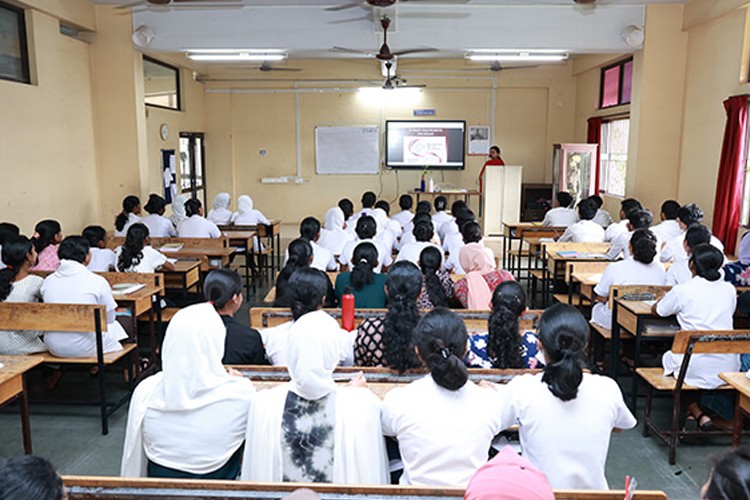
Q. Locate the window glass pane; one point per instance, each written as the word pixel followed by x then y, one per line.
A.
pixel 610 87
pixel 745 213
pixel 161 86
pixel 13 55
pixel 614 156
pixel 627 82
pixel 198 162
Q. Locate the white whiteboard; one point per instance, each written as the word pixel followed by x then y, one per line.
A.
pixel 347 150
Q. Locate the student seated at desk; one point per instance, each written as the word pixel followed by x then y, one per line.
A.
pixel 384 232
pixel 46 239
pixel 706 302
pixel 475 290
pixel 387 341
pixel 424 208
pixel 674 250
pixel 72 283
pixel 437 284
pixel 178 210
pixel 366 231
pixel 102 258
pixel 131 211
pixel 367 286
pixel 637 219
pixel 405 202
pixel 307 295
pixel 300 256
pixel 441 216
pixel 17 285
pixel 7 230
pixel 504 345
pixel 246 215
pixel 451 226
pixel 585 230
pixel 454 240
pixel 309 229
pixel 602 217
pixel 346 206
pixel 312 429
pixel 668 228
pixel 27 477
pixel 508 476
pixel 589 407
pixel 196 226
pixel 220 214
pixel 243 345
pixel 617 228
pixel 368 204
pixel 158 225
pixel 189 420
pixel 562 215
pixel 444 423
pixel 333 237
pixel 679 272
pixel 137 256
pixel 642 269
pixel 423 232
pixel 393 225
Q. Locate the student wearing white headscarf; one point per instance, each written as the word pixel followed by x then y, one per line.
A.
pixel 246 215
pixel 220 214
pixel 333 237
pixel 188 421
pixel 310 429
pixel 178 209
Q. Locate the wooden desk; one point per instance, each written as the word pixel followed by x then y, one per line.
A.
pixel 555 265
pixel 271 232
pixel 518 231
pixel 587 282
pixel 739 382
pixel 205 254
pixel 13 386
pixel 145 300
pixel 186 275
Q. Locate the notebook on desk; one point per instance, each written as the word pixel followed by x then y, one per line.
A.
pixel 126 288
pixel 171 247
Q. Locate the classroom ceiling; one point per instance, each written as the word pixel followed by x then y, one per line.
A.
pixel 306 30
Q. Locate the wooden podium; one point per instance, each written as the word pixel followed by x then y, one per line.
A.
pixel 501 200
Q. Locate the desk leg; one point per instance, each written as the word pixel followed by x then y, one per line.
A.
pixel 615 347
pixel 25 427
pixel 737 424
pixel 636 359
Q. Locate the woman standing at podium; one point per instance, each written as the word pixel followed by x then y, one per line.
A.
pixel 494 160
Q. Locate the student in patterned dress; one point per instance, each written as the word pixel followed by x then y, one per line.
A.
pixel 46 239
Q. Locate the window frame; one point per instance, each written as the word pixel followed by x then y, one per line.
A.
pixel 621 64
pixel 178 75
pixel 24 42
pixel 602 184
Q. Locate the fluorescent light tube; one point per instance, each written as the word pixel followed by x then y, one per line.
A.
pixel 518 57
pixel 238 57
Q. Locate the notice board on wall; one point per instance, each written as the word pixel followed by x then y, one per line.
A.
pixel 347 150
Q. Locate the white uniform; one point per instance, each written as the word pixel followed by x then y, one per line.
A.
pixel 667 230
pixel 384 255
pixel 679 273
pixel 132 219
pixel 323 259
pixel 585 231
pixel 568 441
pixel 403 217
pixel 439 219
pixel 151 261
pixel 701 305
pixel 220 216
pixel 412 251
pixel 102 260
pixel 603 218
pixel 624 272
pixel 615 229
pixel 72 283
pixel 159 226
pixel 560 217
pixel 675 249
pixel 196 226
pixel 443 435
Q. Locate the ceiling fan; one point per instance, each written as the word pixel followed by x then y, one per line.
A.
pixel 388 3
pixel 181 3
pixel 385 53
pixel 495 66
pixel 395 81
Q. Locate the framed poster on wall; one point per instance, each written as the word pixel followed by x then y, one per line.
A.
pixel 479 140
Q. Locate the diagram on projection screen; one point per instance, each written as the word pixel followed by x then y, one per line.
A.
pixel 426 150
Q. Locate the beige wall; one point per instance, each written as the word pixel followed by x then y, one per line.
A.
pixel 47 135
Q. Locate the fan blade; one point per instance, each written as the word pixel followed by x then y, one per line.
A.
pixel 440 2
pixel 411 51
pixel 352 51
pixel 136 3
pixel 283 69
pixel 345 6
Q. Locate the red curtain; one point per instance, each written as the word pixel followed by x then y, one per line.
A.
pixel 731 173
pixel 594 136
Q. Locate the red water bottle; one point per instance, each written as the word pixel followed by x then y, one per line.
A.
pixel 347 310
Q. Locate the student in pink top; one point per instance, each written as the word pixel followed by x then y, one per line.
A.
pixel 46 239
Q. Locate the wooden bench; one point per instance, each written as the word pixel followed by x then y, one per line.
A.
pixel 266 317
pixel 72 318
pixel 116 488
pixel 687 343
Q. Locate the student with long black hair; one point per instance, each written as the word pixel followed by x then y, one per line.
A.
pixel 300 256
pixel 505 345
pixel 46 239
pixel 130 214
pixel 73 283
pixel 17 285
pixel 137 256
pixel 444 423
pixel 158 225
pixel 366 230
pixel 102 258
pixel 243 345
pixel 588 407
pixel 367 286
pixel 7 229
pixel 323 260
pixel 195 225
pixel 437 284
pixel 387 341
